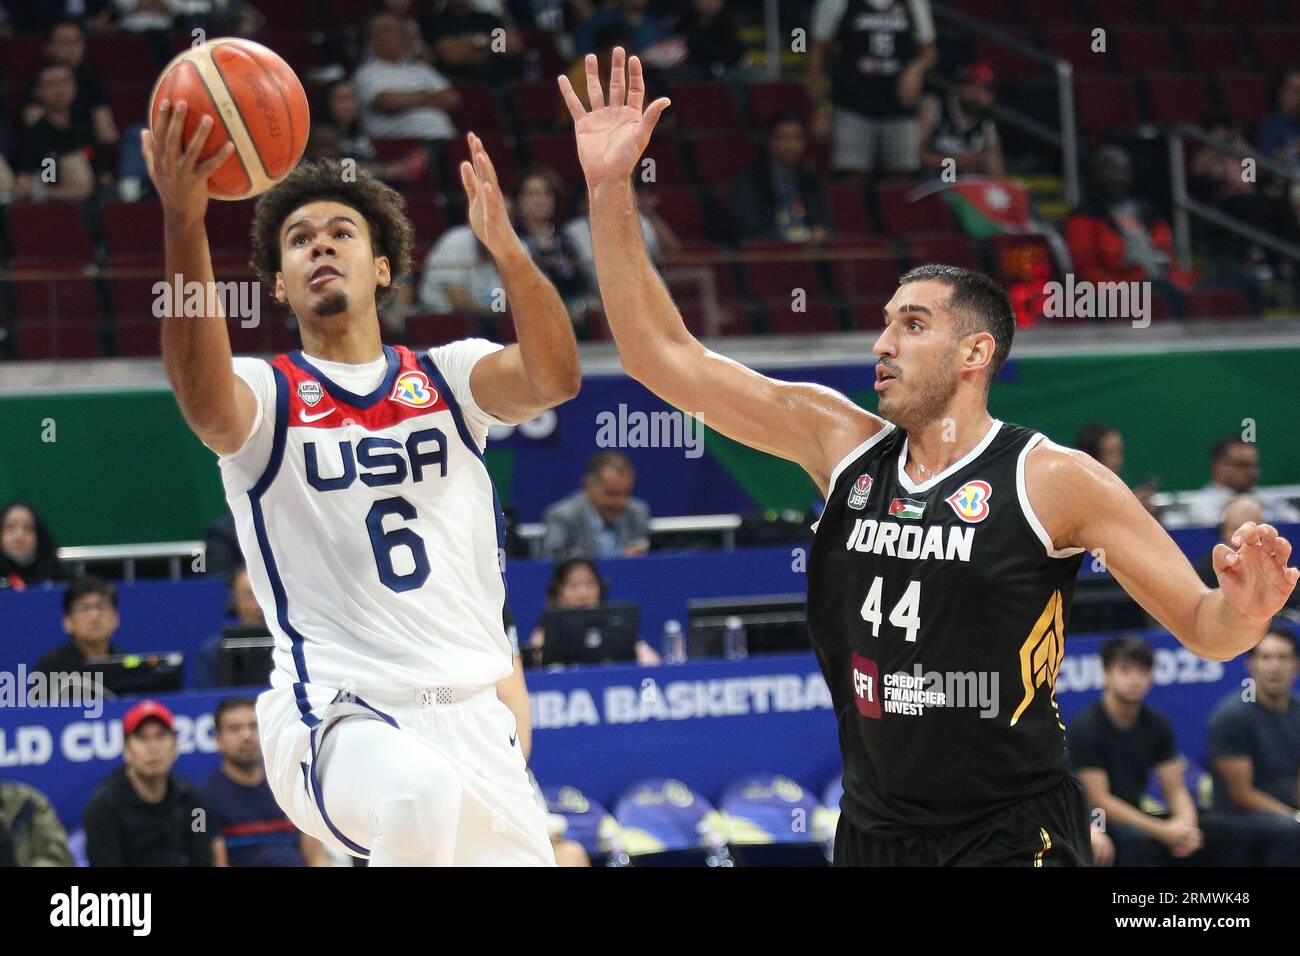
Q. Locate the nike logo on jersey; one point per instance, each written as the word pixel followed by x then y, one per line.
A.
pixel 314 418
pixel 910 541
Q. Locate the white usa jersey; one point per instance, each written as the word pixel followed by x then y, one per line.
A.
pixel 370 526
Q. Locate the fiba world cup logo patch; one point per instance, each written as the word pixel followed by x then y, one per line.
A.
pixel 311 393
pixel 413 389
pixel 971 501
pixel 861 490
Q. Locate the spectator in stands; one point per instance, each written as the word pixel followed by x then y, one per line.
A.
pixel 61 136
pixel 537 198
pixel 151 19
pixel 1236 512
pixel 245 611
pixel 30 831
pixel 460 276
pixel 401 96
pixel 1115 745
pixel 575 583
pixel 644 29
pixel 221 551
pixel 7 179
pixel 468 44
pixel 28 554
pixel 1104 443
pixel 875 82
pixel 1234 468
pixel 713 47
pixel 90 619
pixel 340 137
pixel 1279 134
pixel 782 195
pixel 601 519
pixel 1254 751
pixel 1116 237
pixel 143 814
pixel 27 17
pixel 246 825
pixel 66 43
pixel 1217 176
pixel 660 238
pixel 958 126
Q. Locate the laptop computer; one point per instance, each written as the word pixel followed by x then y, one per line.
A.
pixel 595 635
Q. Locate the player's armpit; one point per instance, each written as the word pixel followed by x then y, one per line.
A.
pixel 803 422
pixel 1083 504
pixel 225 427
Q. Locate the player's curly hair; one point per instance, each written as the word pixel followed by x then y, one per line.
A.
pixel 382 206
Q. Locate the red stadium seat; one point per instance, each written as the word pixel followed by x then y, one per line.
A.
pixel 49 234
pixel 1141 50
pixel 721 157
pixel 1105 103
pixel 478 111
pixel 1213 48
pixel 129 106
pixel 427 218
pixel 1075 44
pixel 1179 12
pixel 1050 13
pixel 817 317
pixel 139 337
pixel 848 210
pixel 499 151
pixel 901 214
pixel 1278 48
pixel 1112 12
pixel 19 58
pixel 549 60
pixel 681 209
pixel 294 46
pixel 1250 11
pixel 779 279
pixel 1244 96
pixel 290 15
pixel 62 300
pixel 133 232
pixel 230 227
pixel 56 340
pixel 534 106
pixel 705 106
pixel 1177 97
pixel 949 249
pixel 340 14
pixel 873 269
pixel 669 170
pixel 558 151
pixel 732 320
pixel 772 99
pixel 134 298
pixel 990 11
pixel 122 58
pixel 250 341
pixel 426 331
pixel 1009 64
pixel 1221 304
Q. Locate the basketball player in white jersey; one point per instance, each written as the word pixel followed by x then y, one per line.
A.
pixel 365 511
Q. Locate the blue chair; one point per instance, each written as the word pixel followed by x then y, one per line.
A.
pixel 663 822
pixel 771 821
pixel 589 823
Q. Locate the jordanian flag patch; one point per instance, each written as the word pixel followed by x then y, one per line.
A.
pixel 907 508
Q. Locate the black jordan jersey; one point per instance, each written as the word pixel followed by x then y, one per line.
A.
pixel 876 44
pixel 938 613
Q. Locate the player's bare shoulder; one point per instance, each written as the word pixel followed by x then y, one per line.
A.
pixel 1064 486
pixel 842 427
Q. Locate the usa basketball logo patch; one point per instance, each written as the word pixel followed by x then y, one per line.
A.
pixel 311 393
pixel 413 389
pixel 971 501
pixel 861 490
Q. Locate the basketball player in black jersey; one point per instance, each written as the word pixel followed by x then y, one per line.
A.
pixel 943 565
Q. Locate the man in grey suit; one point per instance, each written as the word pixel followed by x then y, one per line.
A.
pixel 601 519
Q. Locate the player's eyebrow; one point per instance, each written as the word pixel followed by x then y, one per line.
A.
pixel 328 222
pixel 905 308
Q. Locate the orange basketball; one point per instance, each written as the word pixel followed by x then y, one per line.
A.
pixel 254 99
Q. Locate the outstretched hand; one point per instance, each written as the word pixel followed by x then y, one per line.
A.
pixel 1253 572
pixel 488 216
pixel 174 166
pixel 611 137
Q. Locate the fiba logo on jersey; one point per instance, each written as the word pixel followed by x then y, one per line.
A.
pixel 413 389
pixel 311 393
pixel 971 501
pixel 861 490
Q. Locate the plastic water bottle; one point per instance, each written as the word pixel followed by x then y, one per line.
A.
pixel 674 643
pixel 735 646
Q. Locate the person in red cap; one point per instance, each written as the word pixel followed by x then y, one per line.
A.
pixel 143 814
pixel 958 126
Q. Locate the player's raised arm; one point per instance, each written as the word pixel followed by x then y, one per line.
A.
pixel 216 404
pixel 520 381
pixel 805 423
pixel 1081 503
